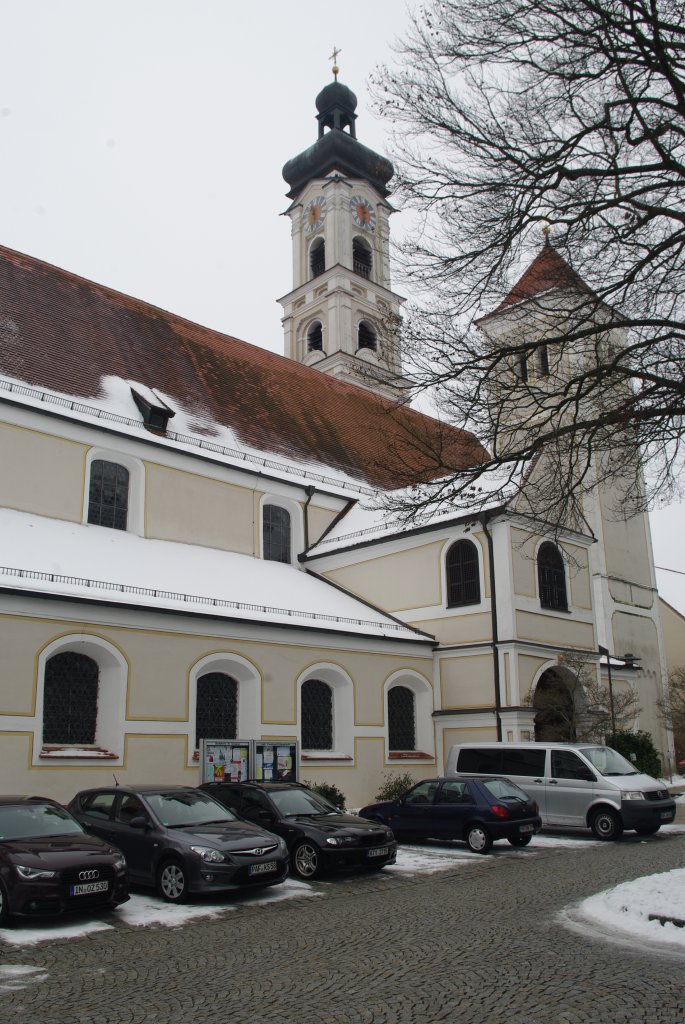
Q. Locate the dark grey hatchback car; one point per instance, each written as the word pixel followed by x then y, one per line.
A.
pixel 180 840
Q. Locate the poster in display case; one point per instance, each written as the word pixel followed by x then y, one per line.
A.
pixel 275 762
pixel 225 760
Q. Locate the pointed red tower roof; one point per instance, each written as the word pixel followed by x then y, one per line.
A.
pixel 548 270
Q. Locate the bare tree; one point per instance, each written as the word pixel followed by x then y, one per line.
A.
pixel 572 704
pixel 513 115
pixel 672 708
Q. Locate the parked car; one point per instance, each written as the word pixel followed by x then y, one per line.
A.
pixel 180 841
pixel 319 835
pixel 49 865
pixel 477 809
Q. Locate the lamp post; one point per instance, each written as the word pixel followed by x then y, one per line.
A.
pixel 629 662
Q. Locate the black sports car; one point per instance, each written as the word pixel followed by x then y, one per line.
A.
pixel 319 835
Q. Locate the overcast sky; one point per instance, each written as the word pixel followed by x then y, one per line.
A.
pixel 142 141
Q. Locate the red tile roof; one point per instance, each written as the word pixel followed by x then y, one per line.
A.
pixel 64 333
pixel 548 270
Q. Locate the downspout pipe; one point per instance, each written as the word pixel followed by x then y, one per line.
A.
pixel 483 520
pixel 310 492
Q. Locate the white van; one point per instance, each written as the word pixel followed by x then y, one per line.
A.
pixel 576 785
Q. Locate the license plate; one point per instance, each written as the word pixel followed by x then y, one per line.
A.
pixel 88 887
pixel 379 851
pixel 525 828
pixel 666 815
pixel 262 869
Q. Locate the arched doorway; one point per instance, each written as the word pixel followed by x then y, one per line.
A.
pixel 555 707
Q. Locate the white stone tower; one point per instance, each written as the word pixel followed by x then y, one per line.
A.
pixel 341 315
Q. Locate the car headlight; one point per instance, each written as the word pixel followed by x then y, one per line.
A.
pixel 634 795
pixel 339 840
pixel 26 872
pixel 208 853
pixel 120 864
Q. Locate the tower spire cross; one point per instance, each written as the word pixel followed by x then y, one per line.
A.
pixel 334 57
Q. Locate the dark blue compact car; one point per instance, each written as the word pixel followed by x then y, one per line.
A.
pixel 477 809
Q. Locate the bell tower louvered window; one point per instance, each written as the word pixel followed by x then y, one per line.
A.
pixel 317 257
pixel 216 714
pixel 463 582
pixel 108 494
pixel 362 259
pixel 366 336
pixel 315 337
pixel 70 699
pixel 401 719
pixel 316 707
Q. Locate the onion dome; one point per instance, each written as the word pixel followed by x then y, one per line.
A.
pixel 337 149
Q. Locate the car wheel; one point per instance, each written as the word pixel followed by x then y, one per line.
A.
pixel 520 840
pixel 306 860
pixel 478 839
pixel 172 881
pixel 607 825
pixel 5 917
pixel 648 830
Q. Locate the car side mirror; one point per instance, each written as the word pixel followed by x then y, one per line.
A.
pixel 140 821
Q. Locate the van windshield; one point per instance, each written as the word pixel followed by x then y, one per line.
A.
pixel 608 761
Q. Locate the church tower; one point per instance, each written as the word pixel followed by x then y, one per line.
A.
pixel 341 315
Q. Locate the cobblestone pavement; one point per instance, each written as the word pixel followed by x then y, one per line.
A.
pixel 479 943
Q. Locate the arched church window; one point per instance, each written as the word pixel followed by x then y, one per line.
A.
pixel 276 533
pixel 316 709
pixel 366 336
pixel 317 257
pixel 216 713
pixel 463 581
pixel 521 366
pixel 401 719
pixel 108 494
pixel 70 699
pixel 552 578
pixel 542 361
pixel 361 257
pixel 315 337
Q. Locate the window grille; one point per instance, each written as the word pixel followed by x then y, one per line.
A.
pixel 316 705
pixel 216 712
pixel 361 258
pixel 401 719
pixel 366 337
pixel 317 257
pixel 276 533
pixel 463 582
pixel 108 494
pixel 552 578
pixel 315 338
pixel 70 699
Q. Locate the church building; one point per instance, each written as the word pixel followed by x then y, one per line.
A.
pixel 193 541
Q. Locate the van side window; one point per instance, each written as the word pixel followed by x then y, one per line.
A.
pixel 523 762
pixel 567 765
pixel 480 760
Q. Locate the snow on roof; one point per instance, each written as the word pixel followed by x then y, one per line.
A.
pixel 369 522
pixel 83 561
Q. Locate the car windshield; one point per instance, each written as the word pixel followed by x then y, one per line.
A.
pixel 189 807
pixel 35 821
pixel 301 801
pixel 504 790
pixel 608 761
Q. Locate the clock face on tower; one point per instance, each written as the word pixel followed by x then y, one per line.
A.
pixel 314 213
pixel 363 213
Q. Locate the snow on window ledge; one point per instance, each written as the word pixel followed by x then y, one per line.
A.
pixel 50 751
pixel 409 755
pixel 325 755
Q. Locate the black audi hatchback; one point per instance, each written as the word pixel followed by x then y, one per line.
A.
pixel 181 841
pixel 319 835
pixel 49 865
